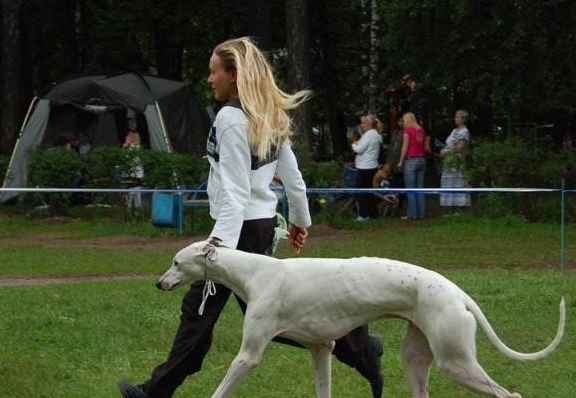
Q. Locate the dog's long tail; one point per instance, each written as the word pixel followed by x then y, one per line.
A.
pixel 477 312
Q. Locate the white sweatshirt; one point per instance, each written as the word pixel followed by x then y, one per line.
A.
pixel 367 149
pixel 239 185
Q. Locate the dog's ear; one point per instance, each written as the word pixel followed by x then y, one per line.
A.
pixel 210 252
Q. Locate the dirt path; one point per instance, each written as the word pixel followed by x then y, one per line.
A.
pixel 321 233
pixel 70 279
pixel 61 239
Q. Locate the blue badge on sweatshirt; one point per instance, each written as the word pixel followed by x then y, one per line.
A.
pixel 211 144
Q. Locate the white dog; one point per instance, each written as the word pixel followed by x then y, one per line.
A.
pixel 314 301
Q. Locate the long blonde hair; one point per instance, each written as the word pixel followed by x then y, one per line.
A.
pixel 264 103
pixel 409 119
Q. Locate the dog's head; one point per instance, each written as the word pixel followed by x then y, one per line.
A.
pixel 189 265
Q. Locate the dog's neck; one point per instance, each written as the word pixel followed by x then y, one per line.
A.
pixel 234 269
pixel 223 275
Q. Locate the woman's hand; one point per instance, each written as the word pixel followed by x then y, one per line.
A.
pixel 297 237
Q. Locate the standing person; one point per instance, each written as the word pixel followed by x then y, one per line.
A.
pixel 248 143
pixel 367 150
pixel 135 176
pixel 397 177
pixel 83 144
pixel 453 166
pixel 415 145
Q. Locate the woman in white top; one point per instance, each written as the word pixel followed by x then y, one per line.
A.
pixel 367 150
pixel 248 143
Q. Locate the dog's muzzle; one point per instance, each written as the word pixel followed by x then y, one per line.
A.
pixel 165 286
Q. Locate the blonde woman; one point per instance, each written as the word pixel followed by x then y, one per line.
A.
pixel 248 143
pixel 415 146
pixel 367 149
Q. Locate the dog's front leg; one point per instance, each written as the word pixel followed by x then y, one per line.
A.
pixel 254 341
pixel 322 367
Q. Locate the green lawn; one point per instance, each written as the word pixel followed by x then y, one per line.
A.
pixel 77 340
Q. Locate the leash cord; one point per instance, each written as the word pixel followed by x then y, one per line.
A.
pixel 208 290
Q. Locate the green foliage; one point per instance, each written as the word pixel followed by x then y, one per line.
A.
pixel 56 168
pixel 508 59
pixel 513 164
pixel 323 174
pixel 504 62
pixel 107 165
pixel 112 167
pixel 170 170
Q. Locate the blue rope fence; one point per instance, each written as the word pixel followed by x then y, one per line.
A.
pixel 309 190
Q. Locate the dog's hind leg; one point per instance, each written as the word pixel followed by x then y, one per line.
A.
pixel 417 359
pixel 322 367
pixel 454 348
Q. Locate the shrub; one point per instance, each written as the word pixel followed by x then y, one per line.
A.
pixel 323 174
pixel 172 170
pixel 106 166
pixel 56 168
pixel 111 167
pixel 513 164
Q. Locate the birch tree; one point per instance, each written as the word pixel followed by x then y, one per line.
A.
pixel 369 36
pixel 298 46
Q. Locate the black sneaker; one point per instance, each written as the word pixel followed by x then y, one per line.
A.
pixel 377 385
pixel 128 390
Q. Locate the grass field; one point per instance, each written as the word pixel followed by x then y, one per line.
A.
pixel 73 340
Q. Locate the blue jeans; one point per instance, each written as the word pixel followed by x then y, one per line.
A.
pixel 414 170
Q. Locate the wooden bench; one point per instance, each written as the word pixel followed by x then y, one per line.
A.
pixel 196 199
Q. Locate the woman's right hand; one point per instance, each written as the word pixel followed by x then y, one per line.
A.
pixel 297 237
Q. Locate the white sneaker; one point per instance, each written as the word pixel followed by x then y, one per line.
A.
pixel 360 218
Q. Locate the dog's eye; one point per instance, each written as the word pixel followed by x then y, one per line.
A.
pixel 176 264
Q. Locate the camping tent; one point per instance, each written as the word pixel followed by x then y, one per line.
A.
pixel 166 113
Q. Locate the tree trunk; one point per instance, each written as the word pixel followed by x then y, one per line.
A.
pixel 333 94
pixel 169 41
pixel 369 35
pixel 298 46
pixel 259 22
pixel 168 48
pixel 11 96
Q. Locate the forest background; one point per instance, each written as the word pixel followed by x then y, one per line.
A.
pixel 511 63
